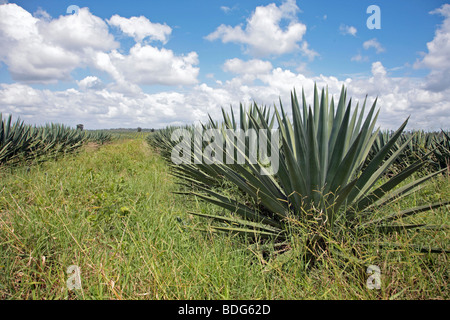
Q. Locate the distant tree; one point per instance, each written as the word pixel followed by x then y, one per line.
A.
pixel 80 127
pixel 153 130
pixel 139 129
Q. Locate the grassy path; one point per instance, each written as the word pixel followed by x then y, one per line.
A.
pixel 111 212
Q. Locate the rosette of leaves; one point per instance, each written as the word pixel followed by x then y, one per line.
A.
pixel 323 183
pixel 15 140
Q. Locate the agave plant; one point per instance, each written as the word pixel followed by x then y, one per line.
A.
pixel 163 141
pixel 420 144
pixel 15 140
pixel 54 139
pixel 442 152
pixel 98 136
pixel 323 181
pixel 20 142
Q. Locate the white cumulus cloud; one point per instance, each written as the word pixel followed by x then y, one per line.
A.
pixel 140 28
pixel 263 34
pixel 149 65
pixel 254 66
pixel 46 50
pixel 437 59
pixel 90 82
pixel 78 32
pixel 26 52
pixel 351 30
pixel 373 43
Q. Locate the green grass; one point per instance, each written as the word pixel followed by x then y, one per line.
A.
pixel 112 212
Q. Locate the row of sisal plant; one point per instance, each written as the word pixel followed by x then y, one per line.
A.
pixel 420 144
pixel 326 187
pixel 20 142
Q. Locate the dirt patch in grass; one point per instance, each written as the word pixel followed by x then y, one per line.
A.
pixel 91 146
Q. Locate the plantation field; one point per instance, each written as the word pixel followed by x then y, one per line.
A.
pixel 112 211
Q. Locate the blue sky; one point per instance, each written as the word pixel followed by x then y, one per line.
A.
pixel 156 63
